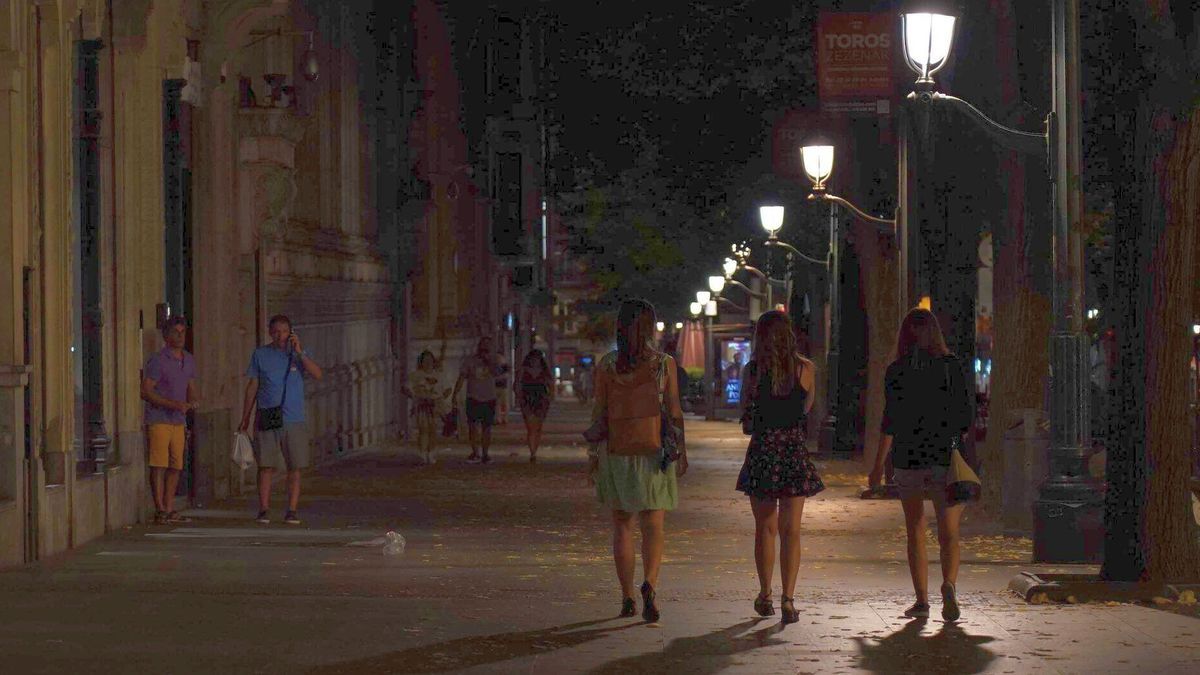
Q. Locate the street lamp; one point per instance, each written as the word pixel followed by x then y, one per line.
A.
pixel 772 218
pixel 731 266
pixel 1069 499
pixel 660 326
pixel 716 284
pixel 708 307
pixel 927 41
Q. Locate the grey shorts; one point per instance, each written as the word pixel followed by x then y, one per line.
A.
pixel 928 483
pixel 288 446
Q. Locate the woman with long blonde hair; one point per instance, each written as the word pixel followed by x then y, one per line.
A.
pixel 927 410
pixel 635 385
pixel 777 474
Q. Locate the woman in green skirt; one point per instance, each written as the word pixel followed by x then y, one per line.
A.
pixel 633 385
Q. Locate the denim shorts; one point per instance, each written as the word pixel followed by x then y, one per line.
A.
pixel 929 483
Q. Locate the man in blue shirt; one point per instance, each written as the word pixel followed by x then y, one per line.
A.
pixel 276 373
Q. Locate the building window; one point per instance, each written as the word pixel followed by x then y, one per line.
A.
pixel 506 63
pixel 507 235
pixel 91 438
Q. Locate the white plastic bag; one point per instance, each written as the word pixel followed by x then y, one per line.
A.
pixel 394 543
pixel 243 452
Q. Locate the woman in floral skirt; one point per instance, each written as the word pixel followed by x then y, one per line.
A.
pixel 777 474
pixel 534 384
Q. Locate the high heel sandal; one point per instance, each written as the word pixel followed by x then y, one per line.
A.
pixel 788 607
pixel 649 609
pixel 628 608
pixel 762 605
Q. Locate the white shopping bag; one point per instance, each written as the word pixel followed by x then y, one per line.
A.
pixel 243 452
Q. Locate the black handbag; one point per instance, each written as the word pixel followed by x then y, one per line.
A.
pixel 270 419
pixel 671 435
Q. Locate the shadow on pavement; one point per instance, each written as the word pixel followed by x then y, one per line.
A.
pixel 950 650
pixel 477 650
pixel 698 655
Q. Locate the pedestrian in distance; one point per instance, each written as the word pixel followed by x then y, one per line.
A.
pixel 533 385
pixel 479 371
pixel 637 404
pixel 429 402
pixel 777 474
pixel 926 413
pixel 275 400
pixel 168 388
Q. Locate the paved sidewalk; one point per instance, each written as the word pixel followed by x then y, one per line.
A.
pixel 507 570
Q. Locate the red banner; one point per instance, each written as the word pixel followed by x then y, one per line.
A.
pixel 854 61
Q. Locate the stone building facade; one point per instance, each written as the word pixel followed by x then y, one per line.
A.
pixel 225 160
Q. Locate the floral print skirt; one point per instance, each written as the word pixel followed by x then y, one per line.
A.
pixel 777 465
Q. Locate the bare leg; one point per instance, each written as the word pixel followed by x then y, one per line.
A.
pixel 535 437
pixel 622 547
pixel 790 511
pixel 293 488
pixel 171 483
pixel 947 523
pixel 264 487
pixel 652 544
pixel 918 563
pixel 485 433
pixel 474 429
pixel 766 525
pixel 156 487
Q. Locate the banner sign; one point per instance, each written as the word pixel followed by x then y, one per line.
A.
pixel 854 62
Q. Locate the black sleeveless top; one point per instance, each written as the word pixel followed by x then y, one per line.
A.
pixel 782 412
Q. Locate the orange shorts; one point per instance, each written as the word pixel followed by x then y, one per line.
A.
pixel 166 445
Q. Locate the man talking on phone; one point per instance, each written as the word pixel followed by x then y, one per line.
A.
pixel 275 398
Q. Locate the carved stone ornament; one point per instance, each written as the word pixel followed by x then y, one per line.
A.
pixel 278 123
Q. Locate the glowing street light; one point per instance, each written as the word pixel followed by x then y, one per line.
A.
pixel 927 41
pixel 818 164
pixel 729 266
pixel 716 284
pixel 703 297
pixel 772 218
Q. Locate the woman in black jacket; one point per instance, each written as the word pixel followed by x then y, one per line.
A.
pixel 927 411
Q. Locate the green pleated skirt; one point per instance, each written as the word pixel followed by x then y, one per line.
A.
pixel 635 483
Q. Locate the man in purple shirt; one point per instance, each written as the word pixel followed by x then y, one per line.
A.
pixel 169 392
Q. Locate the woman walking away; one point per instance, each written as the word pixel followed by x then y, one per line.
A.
pixel 777 474
pixel 428 396
pixel 927 410
pixel 636 389
pixel 533 386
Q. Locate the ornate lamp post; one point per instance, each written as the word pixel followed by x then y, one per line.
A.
pixel 1070 503
pixel 705 302
pixel 818 164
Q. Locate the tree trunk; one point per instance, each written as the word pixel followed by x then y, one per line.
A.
pixel 1174 550
pixel 882 309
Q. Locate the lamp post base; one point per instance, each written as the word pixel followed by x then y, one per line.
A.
pixel 827 437
pixel 1068 524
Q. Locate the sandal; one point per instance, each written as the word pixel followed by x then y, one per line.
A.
pixel 174 517
pixel 628 608
pixel 919 610
pixel 788 607
pixel 649 610
pixel 762 605
pixel 160 517
pixel 950 610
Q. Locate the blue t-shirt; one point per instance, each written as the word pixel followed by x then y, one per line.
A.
pixel 267 365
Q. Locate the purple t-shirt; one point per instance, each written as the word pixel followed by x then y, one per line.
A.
pixel 171 377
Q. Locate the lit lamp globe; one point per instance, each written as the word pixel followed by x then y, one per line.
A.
pixel 678 325
pixel 818 164
pixel 772 218
pixel 710 308
pixel 928 36
pixel 660 326
pixel 730 266
pixel 696 308
pixel 716 284
pixel 703 297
